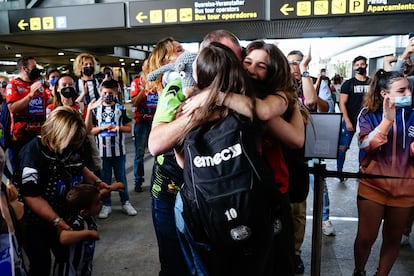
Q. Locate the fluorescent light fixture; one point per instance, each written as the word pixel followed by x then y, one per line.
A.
pixel 121 60
pixel 122 63
pixel 18 55
pixel 72 59
pixel 60 53
pixel 6 62
pixel 132 64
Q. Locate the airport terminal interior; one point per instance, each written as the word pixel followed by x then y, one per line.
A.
pixel 121 34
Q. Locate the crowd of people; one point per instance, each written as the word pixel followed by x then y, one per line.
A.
pixel 64 134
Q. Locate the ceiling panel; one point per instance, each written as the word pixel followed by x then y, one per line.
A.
pixel 45 45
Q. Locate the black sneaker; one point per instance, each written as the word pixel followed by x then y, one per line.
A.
pixel 360 273
pixel 138 189
pixel 299 266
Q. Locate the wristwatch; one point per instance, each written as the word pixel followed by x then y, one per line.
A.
pixel 56 221
pixel 305 74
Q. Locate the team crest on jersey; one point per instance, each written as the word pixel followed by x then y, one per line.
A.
pixel 106 115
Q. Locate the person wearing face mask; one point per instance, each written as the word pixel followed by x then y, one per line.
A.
pixel 350 103
pixel 384 124
pixel 110 125
pixel 86 85
pixel 65 94
pixel 26 100
pixel 52 76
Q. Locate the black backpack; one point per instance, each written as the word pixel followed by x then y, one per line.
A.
pixel 230 200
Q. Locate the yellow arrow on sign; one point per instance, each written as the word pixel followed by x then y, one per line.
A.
pixel 22 25
pixel 285 9
pixel 141 17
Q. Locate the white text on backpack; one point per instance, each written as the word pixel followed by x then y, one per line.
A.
pixel 217 158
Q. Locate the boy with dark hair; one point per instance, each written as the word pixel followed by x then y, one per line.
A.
pixel 111 123
pixel 84 203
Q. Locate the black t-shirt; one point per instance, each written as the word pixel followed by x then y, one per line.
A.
pixel 45 174
pixel 355 90
pixel 167 177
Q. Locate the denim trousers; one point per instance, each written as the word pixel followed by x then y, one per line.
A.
pixel 188 244
pixel 141 132
pixel 117 163
pixel 169 249
pixel 326 203
pixel 344 142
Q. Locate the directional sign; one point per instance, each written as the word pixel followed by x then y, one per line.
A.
pixel 144 13
pixel 317 8
pixel 97 16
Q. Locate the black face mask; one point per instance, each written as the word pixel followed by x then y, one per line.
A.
pixel 34 74
pixel 361 71
pixel 109 98
pixel 68 92
pixel 88 70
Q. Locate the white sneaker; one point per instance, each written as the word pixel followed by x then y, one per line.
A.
pixel 327 228
pixel 128 209
pixel 405 240
pixel 105 211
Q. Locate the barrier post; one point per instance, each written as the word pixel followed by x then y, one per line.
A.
pixel 319 170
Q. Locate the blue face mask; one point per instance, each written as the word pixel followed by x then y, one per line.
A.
pixel 53 81
pixel 402 101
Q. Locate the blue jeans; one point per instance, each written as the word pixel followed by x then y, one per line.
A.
pixel 116 163
pixel 188 245
pixel 141 132
pixel 169 250
pixel 326 203
pixel 344 143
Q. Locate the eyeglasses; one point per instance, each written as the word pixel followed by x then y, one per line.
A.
pixel 3 84
pixel 295 62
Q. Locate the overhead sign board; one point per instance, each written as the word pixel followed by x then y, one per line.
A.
pixel 97 16
pixel 318 8
pixel 144 13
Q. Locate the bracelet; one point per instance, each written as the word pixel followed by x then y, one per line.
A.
pixel 56 221
pixel 305 74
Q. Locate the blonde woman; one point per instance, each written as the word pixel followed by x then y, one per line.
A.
pixel 87 86
pixel 55 159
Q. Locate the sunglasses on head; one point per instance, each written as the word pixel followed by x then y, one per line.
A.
pixel 295 62
pixel 3 84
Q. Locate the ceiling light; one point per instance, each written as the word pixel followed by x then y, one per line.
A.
pixel 121 59
pixel 137 61
pixel 122 63
pixel 60 53
pixel 18 55
pixel 72 59
pixel 132 64
pixel 6 62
